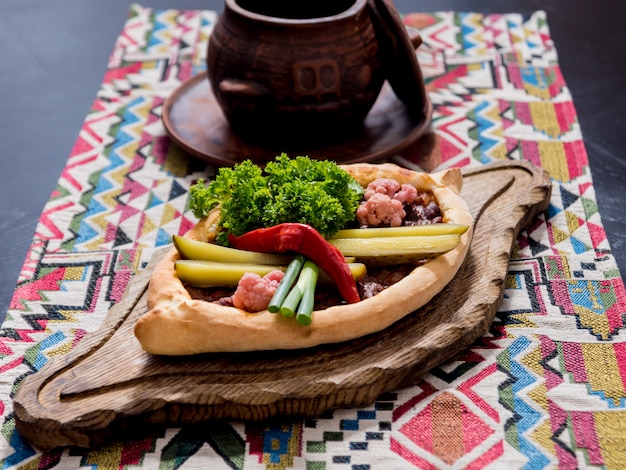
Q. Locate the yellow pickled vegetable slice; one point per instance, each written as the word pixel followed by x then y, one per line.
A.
pixel 404 231
pixel 194 249
pixel 396 250
pixel 200 273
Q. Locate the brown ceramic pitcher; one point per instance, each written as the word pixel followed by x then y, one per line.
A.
pixel 295 71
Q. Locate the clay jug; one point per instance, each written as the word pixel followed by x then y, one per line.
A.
pixel 295 72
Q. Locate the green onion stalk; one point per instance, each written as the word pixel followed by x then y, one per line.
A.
pixel 297 299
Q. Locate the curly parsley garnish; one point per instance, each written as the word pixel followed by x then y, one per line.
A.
pixel 314 192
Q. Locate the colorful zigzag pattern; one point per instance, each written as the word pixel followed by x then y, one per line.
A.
pixel 546 387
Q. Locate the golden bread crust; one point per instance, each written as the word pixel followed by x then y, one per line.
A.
pixel 176 324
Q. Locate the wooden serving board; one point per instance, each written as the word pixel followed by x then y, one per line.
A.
pixel 108 387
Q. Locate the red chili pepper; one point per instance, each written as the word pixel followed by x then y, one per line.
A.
pixel 307 241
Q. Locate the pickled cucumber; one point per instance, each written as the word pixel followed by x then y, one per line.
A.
pixel 197 250
pixel 404 231
pixel 201 273
pixel 396 250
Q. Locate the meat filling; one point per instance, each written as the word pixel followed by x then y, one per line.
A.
pixel 374 282
pixel 386 203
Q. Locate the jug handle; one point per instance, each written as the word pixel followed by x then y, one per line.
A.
pixel 414 36
pixel 242 88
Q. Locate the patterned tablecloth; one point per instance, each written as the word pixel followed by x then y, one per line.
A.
pixel 545 388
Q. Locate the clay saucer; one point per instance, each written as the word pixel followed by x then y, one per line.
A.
pixel 194 120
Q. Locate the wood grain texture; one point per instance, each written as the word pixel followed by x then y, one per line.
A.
pixel 108 386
